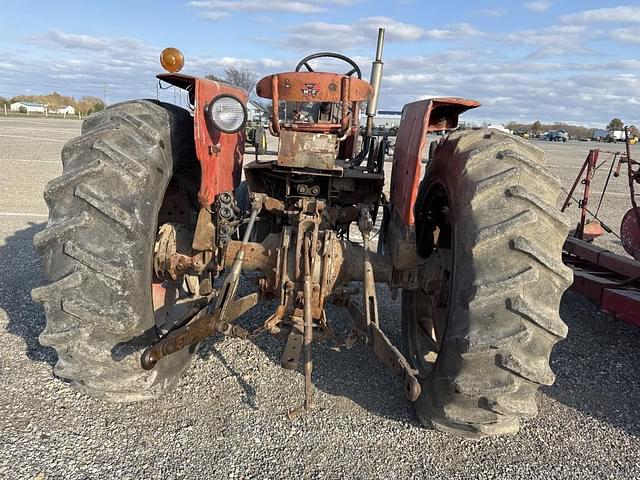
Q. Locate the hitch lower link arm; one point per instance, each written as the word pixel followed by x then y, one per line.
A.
pixel 369 322
pixel 225 311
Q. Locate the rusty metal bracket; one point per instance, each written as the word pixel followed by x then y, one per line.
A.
pixel 201 326
pixel 204 238
pixel 291 354
pixel 232 279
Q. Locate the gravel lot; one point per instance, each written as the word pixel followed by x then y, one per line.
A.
pixel 227 417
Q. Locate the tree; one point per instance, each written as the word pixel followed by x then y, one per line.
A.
pixel 238 77
pixel 97 107
pixel 4 102
pixel 633 131
pixel 215 78
pixel 243 78
pixel 615 124
pixel 87 105
pixel 536 127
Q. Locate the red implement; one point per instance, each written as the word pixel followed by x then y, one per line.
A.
pixel 611 280
pixel 630 233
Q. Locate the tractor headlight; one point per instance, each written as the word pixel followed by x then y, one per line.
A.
pixel 227 113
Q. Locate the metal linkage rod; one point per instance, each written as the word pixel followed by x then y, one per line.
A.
pixel 308 334
pixel 308 329
pixel 370 301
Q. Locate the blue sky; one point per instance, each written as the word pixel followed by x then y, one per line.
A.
pixel 551 60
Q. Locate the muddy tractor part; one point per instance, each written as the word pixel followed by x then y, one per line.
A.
pixel 151 230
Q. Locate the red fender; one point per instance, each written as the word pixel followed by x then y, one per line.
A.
pixel 418 119
pixel 220 154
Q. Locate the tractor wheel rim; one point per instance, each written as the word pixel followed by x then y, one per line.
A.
pixel 173 301
pixel 430 305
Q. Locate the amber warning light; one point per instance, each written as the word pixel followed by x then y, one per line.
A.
pixel 172 60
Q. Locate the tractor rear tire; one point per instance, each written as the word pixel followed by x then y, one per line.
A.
pixel 505 283
pixel 98 248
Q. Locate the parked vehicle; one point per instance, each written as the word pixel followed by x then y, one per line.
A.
pixel 256 136
pixel 557 136
pixel 614 136
pixel 599 135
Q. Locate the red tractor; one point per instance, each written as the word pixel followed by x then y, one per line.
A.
pixel 150 228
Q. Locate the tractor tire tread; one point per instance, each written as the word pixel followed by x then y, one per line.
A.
pixel 509 285
pixel 98 244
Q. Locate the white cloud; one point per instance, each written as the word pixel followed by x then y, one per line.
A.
pixel 507 93
pixel 538 5
pixel 623 14
pixel 457 31
pixel 257 6
pixel 518 90
pixel 493 12
pixel 395 30
pixel 79 65
pixel 626 35
pixel 322 35
pixel 466 30
pixel 556 40
pixel 87 42
pixel 217 9
pixel 213 16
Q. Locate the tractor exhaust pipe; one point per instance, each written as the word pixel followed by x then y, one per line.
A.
pixel 376 80
pixel 368 142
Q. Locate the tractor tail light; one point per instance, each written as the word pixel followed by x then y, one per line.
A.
pixel 172 60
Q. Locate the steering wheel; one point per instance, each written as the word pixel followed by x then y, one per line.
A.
pixel 305 62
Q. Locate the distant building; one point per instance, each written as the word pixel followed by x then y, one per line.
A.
pixel 384 118
pixel 256 112
pixel 29 107
pixel 69 110
pixel 599 134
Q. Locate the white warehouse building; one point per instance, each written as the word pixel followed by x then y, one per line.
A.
pixel 30 107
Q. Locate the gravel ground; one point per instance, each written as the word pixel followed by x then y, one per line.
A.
pixel 227 417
